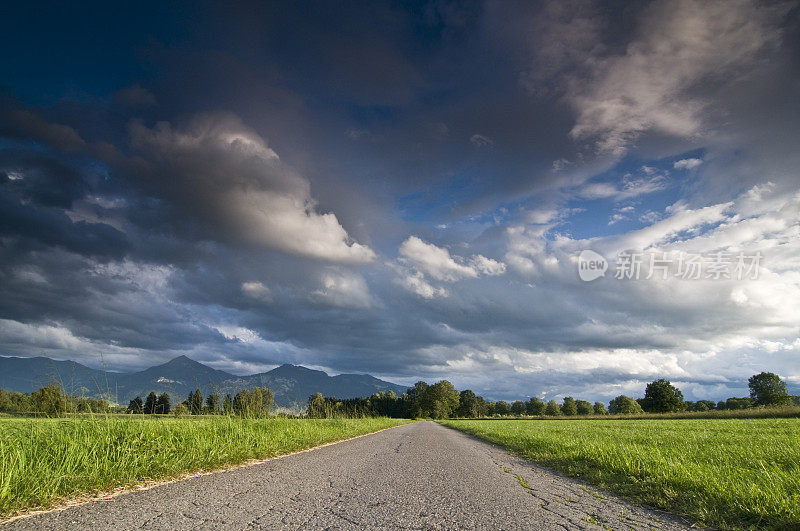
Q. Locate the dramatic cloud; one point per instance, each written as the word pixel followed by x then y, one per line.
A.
pixel 425 259
pixel 224 173
pixel 406 193
pixel 433 261
pixel 656 83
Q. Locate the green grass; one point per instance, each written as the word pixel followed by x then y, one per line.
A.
pixel 726 473
pixel 43 461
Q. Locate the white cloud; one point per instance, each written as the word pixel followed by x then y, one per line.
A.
pixel 423 259
pixel 257 290
pixel 630 187
pixel 415 282
pixel 616 218
pixel 487 266
pixel 226 175
pixel 346 290
pixel 433 261
pixel 687 164
pixel 682 222
pixel 714 327
pixel 679 45
pixel 238 333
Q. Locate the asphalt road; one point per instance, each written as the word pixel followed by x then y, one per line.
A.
pixel 418 476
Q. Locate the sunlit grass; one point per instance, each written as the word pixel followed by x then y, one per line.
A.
pixel 43 460
pixel 726 473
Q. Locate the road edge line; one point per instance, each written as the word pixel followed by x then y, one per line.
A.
pixel 113 493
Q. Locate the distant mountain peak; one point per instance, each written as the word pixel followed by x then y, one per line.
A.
pixel 288 368
pixel 292 384
pixel 182 359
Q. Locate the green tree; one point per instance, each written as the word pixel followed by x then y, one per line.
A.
pixel 600 409
pixel 468 405
pixel 553 409
pixel 701 405
pixel 584 407
pixel 49 400
pixel 534 406
pixel 767 389
pixel 150 403
pixel 518 407
pixel 195 402
pixel 227 405
pixel 317 407
pixel 256 402
pixel 569 408
pixel 263 401
pixel 135 405
pixel 163 406
pixel 416 400
pixel 212 403
pixel 502 408
pixel 661 396
pixel 739 403
pixel 442 399
pixel 180 410
pixel 5 401
pixel 624 405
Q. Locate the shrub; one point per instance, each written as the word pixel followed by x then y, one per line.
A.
pixel 624 405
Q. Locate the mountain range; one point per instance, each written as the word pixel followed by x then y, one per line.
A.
pixel 292 384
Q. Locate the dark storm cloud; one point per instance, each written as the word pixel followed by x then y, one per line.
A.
pixel 243 191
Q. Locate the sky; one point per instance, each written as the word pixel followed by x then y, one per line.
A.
pixel 405 189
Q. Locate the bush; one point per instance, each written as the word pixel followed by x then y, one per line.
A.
pixel 624 405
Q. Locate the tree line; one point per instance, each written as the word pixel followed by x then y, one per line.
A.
pixel 442 400
pixel 50 400
pixel 255 402
pixel 439 400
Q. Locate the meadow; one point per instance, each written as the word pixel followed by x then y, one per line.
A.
pixel 724 473
pixel 44 461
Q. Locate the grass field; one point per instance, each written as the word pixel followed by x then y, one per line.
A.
pixel 45 460
pixel 726 473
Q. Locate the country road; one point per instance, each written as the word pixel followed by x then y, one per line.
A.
pixel 417 476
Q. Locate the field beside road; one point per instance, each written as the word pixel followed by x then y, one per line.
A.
pixel 45 460
pixel 418 476
pixel 726 473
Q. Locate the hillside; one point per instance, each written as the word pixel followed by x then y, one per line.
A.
pixel 292 384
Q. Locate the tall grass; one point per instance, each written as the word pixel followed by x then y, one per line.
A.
pixel 726 473
pixel 43 460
